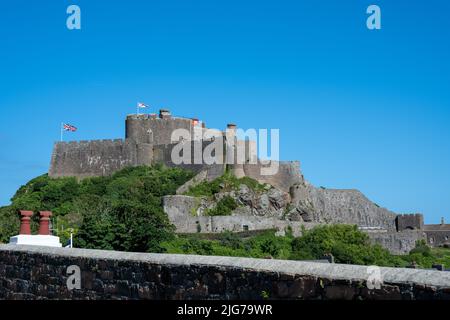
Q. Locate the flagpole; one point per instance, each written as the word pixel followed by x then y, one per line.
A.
pixel 62 125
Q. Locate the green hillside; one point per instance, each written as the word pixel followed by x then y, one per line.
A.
pixel 124 212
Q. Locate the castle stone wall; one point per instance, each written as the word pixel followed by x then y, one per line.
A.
pixel 409 222
pixel 42 273
pixel 97 157
pixel 288 174
pixel 145 129
pixel 437 234
pixel 397 242
pixel 163 154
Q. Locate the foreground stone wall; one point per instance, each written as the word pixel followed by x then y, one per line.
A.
pixel 41 273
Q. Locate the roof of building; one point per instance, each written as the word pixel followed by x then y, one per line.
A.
pixel 436 227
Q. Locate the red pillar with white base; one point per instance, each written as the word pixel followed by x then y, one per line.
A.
pixel 44 223
pixel 25 222
pixel 43 239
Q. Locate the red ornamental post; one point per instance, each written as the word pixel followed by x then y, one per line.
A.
pixel 44 222
pixel 25 222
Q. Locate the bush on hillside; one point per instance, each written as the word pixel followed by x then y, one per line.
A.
pixel 226 182
pixel 224 207
pixel 119 212
pixel 346 243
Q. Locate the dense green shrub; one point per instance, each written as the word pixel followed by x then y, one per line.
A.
pixel 120 212
pixel 229 244
pixel 346 243
pixel 227 182
pixel 224 207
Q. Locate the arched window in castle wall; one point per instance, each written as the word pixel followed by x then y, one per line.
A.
pixel 431 240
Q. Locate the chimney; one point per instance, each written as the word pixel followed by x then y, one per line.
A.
pixel 44 223
pixel 230 133
pixel 25 222
pixel 164 114
pixel 442 221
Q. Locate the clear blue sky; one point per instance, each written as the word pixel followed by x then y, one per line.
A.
pixel 360 109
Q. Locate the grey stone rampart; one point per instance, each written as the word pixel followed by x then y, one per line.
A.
pixel 157 131
pixel 437 235
pixel 409 222
pixel 42 273
pixel 397 242
pixel 97 157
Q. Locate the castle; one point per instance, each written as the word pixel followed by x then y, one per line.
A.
pixel 289 201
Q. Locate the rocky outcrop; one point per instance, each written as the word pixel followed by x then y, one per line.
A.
pixel 304 203
pixel 337 206
pixel 271 202
pixel 187 214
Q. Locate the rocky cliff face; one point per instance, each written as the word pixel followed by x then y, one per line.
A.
pixel 337 206
pixel 303 204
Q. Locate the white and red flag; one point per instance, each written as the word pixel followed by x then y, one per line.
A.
pixel 142 105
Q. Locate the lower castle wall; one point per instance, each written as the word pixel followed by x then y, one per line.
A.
pixel 181 211
pixel 43 273
pixel 397 242
pixel 97 157
pixel 437 238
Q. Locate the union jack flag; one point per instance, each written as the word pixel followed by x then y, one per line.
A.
pixel 69 127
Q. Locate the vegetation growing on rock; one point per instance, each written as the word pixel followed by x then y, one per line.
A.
pixel 226 183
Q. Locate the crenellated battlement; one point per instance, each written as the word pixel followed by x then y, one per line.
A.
pixel 85 142
pixel 409 222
